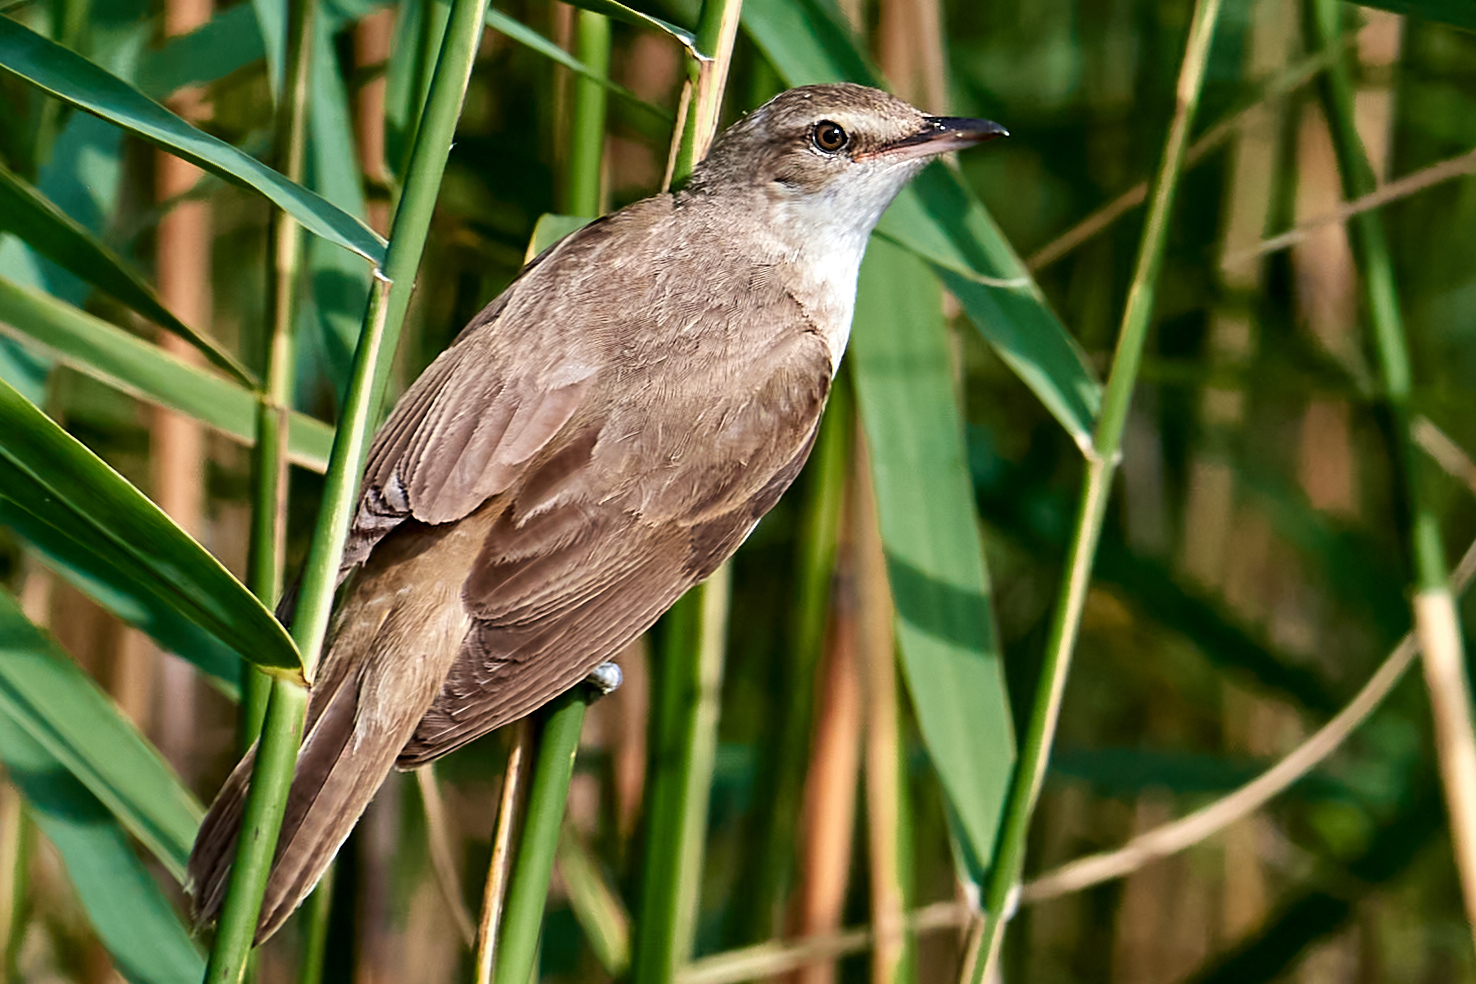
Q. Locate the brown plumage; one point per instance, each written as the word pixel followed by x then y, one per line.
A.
pixel 598 439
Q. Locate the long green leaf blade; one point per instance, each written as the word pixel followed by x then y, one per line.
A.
pixel 62 709
pixel 28 214
pixel 74 79
pixel 113 356
pixel 128 912
pixel 119 584
pixel 939 220
pixel 54 477
pixel 531 39
pixel 935 564
pixel 629 15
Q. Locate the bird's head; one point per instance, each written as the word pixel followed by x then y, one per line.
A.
pixel 831 156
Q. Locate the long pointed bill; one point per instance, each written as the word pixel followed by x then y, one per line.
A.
pixel 941 134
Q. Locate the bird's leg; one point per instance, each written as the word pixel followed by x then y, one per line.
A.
pixel 605 679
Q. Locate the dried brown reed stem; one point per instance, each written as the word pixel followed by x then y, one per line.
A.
pixel 183 255
pixel 884 785
pixel 16 834
pixel 1439 631
pixel 779 956
pixel 514 786
pixel 372 38
pixel 443 864
pixel 1212 138
pixel 828 821
pixel 1393 191
pixel 1447 453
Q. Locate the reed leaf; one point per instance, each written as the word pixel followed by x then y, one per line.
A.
pixel 74 79
pixel 49 697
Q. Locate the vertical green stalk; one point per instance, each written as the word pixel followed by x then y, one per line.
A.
pixel 708 76
pixel 384 315
pixel 315 913
pixel 1436 619
pixel 587 148
pixel 269 457
pixel 523 917
pixel 683 748
pixel 1102 460
pixel 433 16
pixel 779 784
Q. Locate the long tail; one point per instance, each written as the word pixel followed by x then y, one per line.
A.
pixel 380 676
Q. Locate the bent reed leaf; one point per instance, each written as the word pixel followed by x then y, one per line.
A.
pixel 73 79
pixel 113 356
pixel 55 702
pixel 949 645
pixel 629 15
pixel 35 220
pixel 534 41
pixel 49 474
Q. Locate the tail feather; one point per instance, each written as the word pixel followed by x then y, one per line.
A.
pixel 355 732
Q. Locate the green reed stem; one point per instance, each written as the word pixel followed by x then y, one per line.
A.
pixel 314 920
pixel 1102 460
pixel 683 749
pixel 269 457
pixel 522 920
pixel 1437 620
pixel 384 315
pixel 717 28
pixel 587 148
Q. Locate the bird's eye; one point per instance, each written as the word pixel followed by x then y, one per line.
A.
pixel 828 136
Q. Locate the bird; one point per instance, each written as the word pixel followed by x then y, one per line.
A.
pixel 598 439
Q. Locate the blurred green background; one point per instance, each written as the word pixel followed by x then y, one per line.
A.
pixel 1253 572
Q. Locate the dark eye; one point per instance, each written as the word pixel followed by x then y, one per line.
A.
pixel 828 136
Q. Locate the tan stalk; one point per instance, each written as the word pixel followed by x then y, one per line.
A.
pixel 17 834
pixel 885 786
pixel 828 821
pixel 1211 553
pixel 633 705
pixel 782 956
pixel 712 82
pixel 372 38
pixel 1294 78
pixel 177 452
pixel 1447 453
pixel 1426 177
pixel 514 788
pixel 1203 823
pixel 1439 631
pixel 438 836
pixel 17 831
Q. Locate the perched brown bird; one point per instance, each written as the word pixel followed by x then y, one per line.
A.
pixel 600 438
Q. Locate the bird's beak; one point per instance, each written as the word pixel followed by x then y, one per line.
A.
pixel 941 134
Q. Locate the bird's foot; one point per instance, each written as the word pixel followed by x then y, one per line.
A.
pixel 605 679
